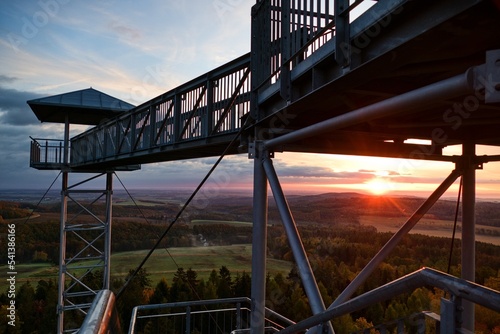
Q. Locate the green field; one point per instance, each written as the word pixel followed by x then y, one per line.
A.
pixel 431 227
pixel 225 222
pixel 237 258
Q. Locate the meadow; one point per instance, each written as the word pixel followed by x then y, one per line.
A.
pixel 432 227
pixel 163 263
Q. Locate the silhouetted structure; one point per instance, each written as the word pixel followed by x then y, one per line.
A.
pixel 319 79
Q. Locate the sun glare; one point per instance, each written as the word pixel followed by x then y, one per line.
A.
pixel 378 186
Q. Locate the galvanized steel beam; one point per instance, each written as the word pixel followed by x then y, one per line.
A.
pixel 299 253
pixel 398 105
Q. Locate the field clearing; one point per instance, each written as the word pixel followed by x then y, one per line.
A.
pixel 32 272
pixel 237 258
pixel 226 222
pixel 428 226
pixel 145 202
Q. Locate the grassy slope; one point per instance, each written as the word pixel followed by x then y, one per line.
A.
pixel 237 258
pixel 427 226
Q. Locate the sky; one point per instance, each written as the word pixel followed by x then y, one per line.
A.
pixel 136 50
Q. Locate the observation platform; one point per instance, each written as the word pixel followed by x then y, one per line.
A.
pixel 363 78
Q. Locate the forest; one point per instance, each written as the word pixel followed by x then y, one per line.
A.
pixel 337 246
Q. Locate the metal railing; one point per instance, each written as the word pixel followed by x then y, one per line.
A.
pixel 102 316
pixel 233 314
pixel 203 316
pixel 208 106
pixel 288 32
pixel 451 309
pixel 46 153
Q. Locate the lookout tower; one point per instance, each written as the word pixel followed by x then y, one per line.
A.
pixel 86 211
pixel 319 78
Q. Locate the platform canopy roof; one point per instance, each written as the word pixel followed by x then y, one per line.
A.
pixel 87 106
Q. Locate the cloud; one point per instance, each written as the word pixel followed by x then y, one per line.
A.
pixel 6 79
pixel 125 32
pixel 13 107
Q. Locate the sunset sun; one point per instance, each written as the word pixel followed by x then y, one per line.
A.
pixel 378 186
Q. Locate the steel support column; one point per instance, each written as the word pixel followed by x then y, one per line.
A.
pixel 91 234
pixel 468 228
pixel 394 241
pixel 299 253
pixel 62 253
pixel 259 245
pixel 107 239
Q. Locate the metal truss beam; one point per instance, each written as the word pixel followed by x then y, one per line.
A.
pixel 85 249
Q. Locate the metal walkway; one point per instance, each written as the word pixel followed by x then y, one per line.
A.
pixel 326 76
pixel 309 64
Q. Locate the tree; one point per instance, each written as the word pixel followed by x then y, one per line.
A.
pixel 160 296
pixel 134 294
pixel 46 299
pixel 224 288
pixel 25 299
pixel 160 293
pixel 180 290
pixel 192 279
pixel 242 285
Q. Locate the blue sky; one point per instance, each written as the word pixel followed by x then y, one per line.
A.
pixel 136 50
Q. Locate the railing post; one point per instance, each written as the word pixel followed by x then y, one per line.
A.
pixel 447 323
pixel 238 315
pixel 153 109
pixel 177 117
pixel 342 33
pixel 46 151
pixel 286 53
pixel 208 119
pixel 401 326
pixel 188 320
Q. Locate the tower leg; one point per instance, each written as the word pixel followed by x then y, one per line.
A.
pixel 84 270
pixel 299 253
pixel 259 246
pixel 62 253
pixel 468 229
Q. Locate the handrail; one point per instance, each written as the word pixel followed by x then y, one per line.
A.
pixel 294 31
pixel 46 153
pixel 209 106
pixel 102 316
pixel 189 304
pixel 456 287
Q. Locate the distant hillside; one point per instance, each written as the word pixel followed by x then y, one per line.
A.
pixel 354 205
pixel 9 210
pixel 339 208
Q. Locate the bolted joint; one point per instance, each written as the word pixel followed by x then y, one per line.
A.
pixel 487 77
pixel 257 150
pixel 466 163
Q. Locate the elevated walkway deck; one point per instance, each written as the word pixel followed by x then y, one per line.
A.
pixel 309 74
